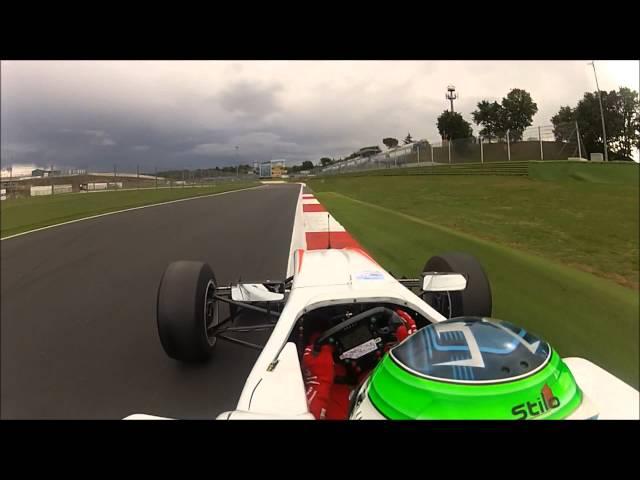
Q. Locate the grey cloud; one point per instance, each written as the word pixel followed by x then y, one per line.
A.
pixel 193 114
pixel 248 99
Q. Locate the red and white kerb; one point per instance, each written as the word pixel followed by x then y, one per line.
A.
pixel 318 223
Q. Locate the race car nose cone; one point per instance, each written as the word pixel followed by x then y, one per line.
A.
pixel 473 368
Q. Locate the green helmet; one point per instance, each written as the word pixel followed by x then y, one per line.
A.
pixel 469 368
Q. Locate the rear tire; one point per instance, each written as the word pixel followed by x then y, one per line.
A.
pixel 186 311
pixel 475 300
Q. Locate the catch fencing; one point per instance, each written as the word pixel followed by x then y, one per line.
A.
pixel 535 143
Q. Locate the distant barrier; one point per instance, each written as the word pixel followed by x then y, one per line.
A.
pixel 519 168
pixel 97 186
pixel 62 188
pixel 40 191
pixel 37 191
pixel 93 186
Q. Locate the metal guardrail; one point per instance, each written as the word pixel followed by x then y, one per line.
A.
pixel 520 168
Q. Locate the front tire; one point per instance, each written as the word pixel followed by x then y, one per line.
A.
pixel 475 300
pixel 187 312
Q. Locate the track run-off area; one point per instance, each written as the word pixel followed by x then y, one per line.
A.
pixel 78 332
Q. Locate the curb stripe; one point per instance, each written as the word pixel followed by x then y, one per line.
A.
pixel 321 228
pixel 313 208
pixel 320 240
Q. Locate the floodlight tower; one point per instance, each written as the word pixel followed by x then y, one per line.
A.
pixel 451 95
pixel 604 133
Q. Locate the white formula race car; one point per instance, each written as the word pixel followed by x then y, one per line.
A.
pixel 456 363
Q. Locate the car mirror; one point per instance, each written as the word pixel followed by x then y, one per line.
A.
pixel 254 292
pixel 443 282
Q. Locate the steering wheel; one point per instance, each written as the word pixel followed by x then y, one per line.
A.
pixel 358 336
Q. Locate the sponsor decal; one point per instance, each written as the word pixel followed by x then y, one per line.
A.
pixel 547 401
pixel 370 275
pixel 361 350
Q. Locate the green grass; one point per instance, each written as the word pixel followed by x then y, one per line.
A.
pixel 22 215
pixel 620 173
pixel 589 226
pixel 528 234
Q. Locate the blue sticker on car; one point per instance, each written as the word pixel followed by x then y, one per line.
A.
pixel 372 275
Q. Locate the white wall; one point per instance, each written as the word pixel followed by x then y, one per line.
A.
pixel 62 188
pixel 43 190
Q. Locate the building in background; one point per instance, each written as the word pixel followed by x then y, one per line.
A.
pixel 278 168
pixel 273 169
pixel 39 172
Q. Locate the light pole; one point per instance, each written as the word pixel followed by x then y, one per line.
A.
pixel 237 164
pixel 451 95
pixel 604 133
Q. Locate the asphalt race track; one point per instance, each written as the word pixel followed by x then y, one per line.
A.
pixel 79 337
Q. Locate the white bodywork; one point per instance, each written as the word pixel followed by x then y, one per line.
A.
pixel 610 396
pixel 443 282
pixel 275 388
pixel 322 277
pixel 254 292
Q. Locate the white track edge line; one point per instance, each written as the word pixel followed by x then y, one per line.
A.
pixel 293 231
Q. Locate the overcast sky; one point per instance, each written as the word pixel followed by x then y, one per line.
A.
pixel 191 114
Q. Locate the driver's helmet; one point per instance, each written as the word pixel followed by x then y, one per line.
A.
pixel 469 368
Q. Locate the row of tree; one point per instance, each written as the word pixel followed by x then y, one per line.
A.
pixel 514 114
pixel 622 122
pixel 391 142
pixel 205 172
pixel 306 165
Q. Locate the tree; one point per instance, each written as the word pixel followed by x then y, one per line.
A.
pixel 518 111
pixel 564 123
pixel 628 136
pixel 306 165
pixel 514 114
pixel 490 116
pixel 452 126
pixel 324 161
pixel 622 122
pixel 390 142
pixel 408 139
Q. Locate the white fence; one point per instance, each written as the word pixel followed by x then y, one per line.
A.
pixel 62 188
pixel 126 175
pixel 3 193
pixel 50 189
pixel 38 191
